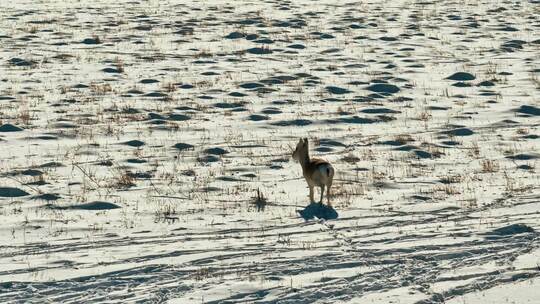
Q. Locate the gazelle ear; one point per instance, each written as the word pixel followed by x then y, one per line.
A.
pixel 305 141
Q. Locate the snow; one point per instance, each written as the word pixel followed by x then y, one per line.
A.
pixel 136 135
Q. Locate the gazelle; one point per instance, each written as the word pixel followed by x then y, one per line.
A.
pixel 317 172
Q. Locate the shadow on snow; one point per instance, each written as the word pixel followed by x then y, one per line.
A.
pixel 317 210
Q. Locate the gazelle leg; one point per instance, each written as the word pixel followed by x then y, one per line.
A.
pixel 328 195
pixel 311 194
pixel 322 193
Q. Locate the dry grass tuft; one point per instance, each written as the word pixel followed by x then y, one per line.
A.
pixel 489 166
pixel 260 201
pixel 100 89
pixel 119 64
pixel 123 180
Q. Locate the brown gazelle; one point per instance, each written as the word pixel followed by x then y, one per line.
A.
pixel 317 172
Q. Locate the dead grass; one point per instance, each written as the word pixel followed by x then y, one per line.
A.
pixel 259 201
pixel 424 116
pixel 522 131
pixel 122 180
pixel 474 150
pixel 119 64
pixel 447 189
pixel 204 54
pixel 24 116
pixel 535 79
pixel 489 166
pixel 100 89
pixel 169 87
pixel 403 139
pixel 452 179
pixel 166 214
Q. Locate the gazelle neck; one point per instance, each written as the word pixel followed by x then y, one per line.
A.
pixel 304 159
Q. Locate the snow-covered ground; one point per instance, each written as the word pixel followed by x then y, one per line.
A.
pixel 135 136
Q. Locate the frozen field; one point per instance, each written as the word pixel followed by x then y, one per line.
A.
pixel 136 135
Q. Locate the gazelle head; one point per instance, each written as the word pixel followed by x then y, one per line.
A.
pixel 301 149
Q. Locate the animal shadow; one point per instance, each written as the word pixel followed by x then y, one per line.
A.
pixel 316 210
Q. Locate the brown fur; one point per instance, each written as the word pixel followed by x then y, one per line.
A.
pixel 317 172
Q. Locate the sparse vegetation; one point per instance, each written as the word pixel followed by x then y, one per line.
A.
pixel 489 166
pixel 260 201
